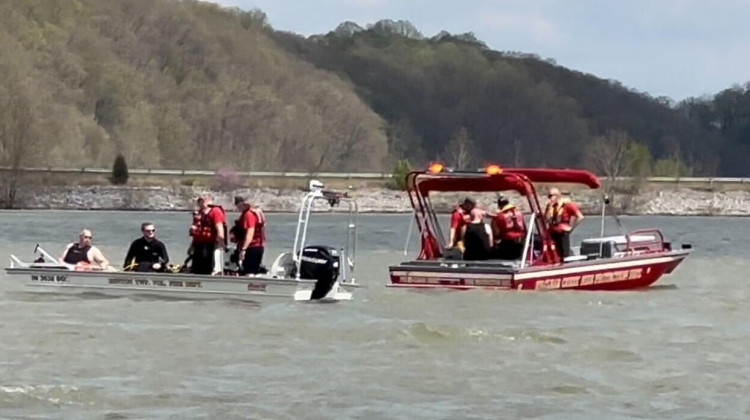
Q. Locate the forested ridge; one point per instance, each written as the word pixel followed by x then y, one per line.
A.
pixel 187 84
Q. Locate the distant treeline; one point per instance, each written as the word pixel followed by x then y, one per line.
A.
pixel 187 84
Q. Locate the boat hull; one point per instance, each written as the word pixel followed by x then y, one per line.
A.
pixel 170 285
pixel 625 273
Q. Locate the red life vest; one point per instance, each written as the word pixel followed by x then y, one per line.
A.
pixel 259 235
pixel 206 230
pixel 510 223
pixel 557 215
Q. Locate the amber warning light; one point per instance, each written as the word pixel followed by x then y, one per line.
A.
pixel 493 170
pixel 435 168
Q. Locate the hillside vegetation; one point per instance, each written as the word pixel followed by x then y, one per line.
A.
pixel 170 84
pixel 187 84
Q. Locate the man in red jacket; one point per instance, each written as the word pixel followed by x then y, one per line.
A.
pixel 562 216
pixel 250 234
pixel 510 230
pixel 459 218
pixel 208 237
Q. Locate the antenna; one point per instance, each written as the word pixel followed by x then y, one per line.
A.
pixel 601 233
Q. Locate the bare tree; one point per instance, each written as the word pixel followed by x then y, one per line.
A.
pixel 17 118
pixel 460 151
pixel 615 155
pixel 608 154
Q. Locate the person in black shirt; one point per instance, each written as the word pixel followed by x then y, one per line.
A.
pixel 477 237
pixel 147 253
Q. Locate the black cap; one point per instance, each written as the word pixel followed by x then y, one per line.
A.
pixel 502 201
pixel 238 199
pixel 468 204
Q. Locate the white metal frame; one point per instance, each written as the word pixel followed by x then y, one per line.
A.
pixel 347 253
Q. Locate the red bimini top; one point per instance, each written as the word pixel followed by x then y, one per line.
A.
pixel 510 179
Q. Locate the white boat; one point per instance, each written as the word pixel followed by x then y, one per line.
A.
pixel 317 273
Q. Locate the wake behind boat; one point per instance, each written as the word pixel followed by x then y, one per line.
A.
pixel 308 272
pixel 630 261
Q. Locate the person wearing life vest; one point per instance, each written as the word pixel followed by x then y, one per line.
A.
pixel 509 230
pixel 250 235
pixel 208 238
pixel 459 218
pixel 196 223
pixel 562 216
pixel 83 254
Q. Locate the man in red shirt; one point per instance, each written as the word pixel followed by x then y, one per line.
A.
pixel 562 216
pixel 509 230
pixel 208 237
pixel 459 218
pixel 250 233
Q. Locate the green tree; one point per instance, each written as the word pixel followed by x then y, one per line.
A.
pixel 120 173
pixel 671 167
pixel 398 176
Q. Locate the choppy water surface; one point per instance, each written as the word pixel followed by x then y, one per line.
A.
pixel 677 350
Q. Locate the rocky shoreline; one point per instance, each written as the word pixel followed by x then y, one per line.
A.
pixel 682 201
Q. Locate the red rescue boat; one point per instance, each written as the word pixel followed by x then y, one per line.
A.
pixel 631 261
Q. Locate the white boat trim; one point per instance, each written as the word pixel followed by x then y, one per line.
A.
pixel 448 275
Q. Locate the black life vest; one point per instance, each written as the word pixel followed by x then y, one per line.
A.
pixel 77 253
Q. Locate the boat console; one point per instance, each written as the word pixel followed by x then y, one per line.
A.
pixel 637 242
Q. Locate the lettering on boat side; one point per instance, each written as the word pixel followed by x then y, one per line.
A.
pixel 548 284
pixel 429 280
pixel 253 287
pixel 484 282
pixel 453 281
pixel 588 279
pixel 158 283
pixel 49 278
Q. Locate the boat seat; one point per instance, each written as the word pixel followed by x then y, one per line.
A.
pixel 573 258
pixel 283 266
pixel 611 245
pixel 466 263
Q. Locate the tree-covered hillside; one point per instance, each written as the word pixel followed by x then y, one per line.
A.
pixel 452 97
pixel 170 84
pixel 188 84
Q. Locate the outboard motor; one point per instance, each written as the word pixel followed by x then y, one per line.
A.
pixel 321 263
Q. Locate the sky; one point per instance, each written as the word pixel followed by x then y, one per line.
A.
pixel 672 48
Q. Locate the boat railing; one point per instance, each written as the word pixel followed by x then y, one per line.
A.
pixel 656 244
pixel 527 252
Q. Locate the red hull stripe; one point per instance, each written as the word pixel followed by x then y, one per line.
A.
pixel 598 267
pixel 449 275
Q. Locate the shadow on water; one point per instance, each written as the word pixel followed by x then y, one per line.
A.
pixel 59 297
pixel 138 297
pixel 658 287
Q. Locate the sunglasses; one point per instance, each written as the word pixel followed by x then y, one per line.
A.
pixel 149 230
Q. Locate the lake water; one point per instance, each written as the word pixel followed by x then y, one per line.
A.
pixel 676 350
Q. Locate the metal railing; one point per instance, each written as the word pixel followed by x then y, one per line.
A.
pixel 333 175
